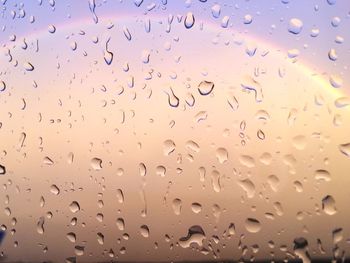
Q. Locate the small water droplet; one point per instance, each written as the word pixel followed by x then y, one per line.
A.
pixel 51 29
pixel 177 205
pixel 345 149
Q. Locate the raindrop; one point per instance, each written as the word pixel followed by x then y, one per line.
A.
pixel 252 225
pixel 216 10
pixel 52 29
pixel 177 205
pixel 28 66
pixel 40 226
pixel 205 87
pixel 74 207
pixel 79 250
pixel 195 235
pixel 345 149
pixel 189 20
pixel 248 186
pixel 196 208
pixel 126 33
pixel 336 81
pixel 168 147
pixel 248 19
pixel 100 238
pixel 144 231
pixel 2 169
pixel 328 205
pixel 120 224
pixel 172 99
pixel 96 164
pixel 295 26
pixel 54 189
pixel 71 237
pixel 322 175
pixel 120 196
pixel 221 155
pixel 332 54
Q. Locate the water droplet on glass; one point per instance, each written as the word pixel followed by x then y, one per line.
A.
pixel 221 155
pixel 52 29
pixel 96 164
pixel 189 20
pixel 295 26
pixel 177 205
pixel 71 237
pixel 54 189
pixel 168 147
pixel 205 87
pixel 252 225
pixel 328 205
pixel 216 10
pixel 195 235
pixel 144 231
pixel 74 207
pixel 345 149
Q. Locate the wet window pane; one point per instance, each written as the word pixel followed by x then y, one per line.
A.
pixel 174 131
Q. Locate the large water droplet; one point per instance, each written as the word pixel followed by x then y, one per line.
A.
pixel 74 207
pixel 252 225
pixel 195 235
pixel 295 26
pixel 189 20
pixel 205 87
pixel 328 205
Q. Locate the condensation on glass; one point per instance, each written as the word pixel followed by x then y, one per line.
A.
pixel 174 130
